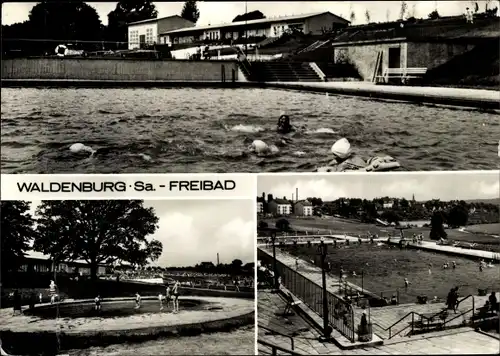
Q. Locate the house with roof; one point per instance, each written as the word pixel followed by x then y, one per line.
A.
pixel 146 32
pixel 313 23
pixel 303 208
pixel 280 206
pixel 425 44
pixel 37 262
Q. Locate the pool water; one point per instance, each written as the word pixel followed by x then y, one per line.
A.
pixel 384 269
pixel 187 130
pixel 112 309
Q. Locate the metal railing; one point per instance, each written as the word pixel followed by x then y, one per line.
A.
pixel 275 348
pixel 426 319
pixel 340 313
pixel 274 332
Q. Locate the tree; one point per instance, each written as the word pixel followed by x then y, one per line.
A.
pixel 263 225
pixel 352 17
pixel 127 11
pixel 434 15
pixel 367 16
pixel 236 265
pixel 190 11
pixel 391 217
pixel 437 228
pixel 283 224
pixel 458 216
pixel 64 21
pixel 155 248
pixel 97 231
pixel 17 232
pixel 252 15
pixel 402 10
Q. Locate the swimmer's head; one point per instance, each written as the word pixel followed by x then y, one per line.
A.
pixel 341 149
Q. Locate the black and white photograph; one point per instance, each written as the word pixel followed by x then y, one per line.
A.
pixel 393 263
pixel 127 277
pixel 209 87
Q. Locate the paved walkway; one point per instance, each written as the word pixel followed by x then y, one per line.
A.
pixel 231 307
pixel 424 245
pixel 306 338
pixel 382 317
pixel 448 96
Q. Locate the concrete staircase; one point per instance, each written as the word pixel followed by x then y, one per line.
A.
pixel 283 72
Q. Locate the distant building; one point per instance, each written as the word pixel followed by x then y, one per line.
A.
pixel 314 23
pixel 146 32
pixel 303 208
pixel 36 262
pixel 388 204
pixel 260 205
pixel 280 207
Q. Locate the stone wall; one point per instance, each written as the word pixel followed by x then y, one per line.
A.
pixel 118 69
pixel 432 55
pixel 364 57
pixel 413 54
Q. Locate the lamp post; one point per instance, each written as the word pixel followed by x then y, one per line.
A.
pixel 323 253
pixel 246 29
pixel 273 240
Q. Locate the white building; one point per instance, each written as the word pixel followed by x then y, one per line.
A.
pixel 314 23
pixel 142 33
pixel 303 208
pixel 280 207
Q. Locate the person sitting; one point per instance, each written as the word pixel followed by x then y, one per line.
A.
pixel 493 301
pixel 284 126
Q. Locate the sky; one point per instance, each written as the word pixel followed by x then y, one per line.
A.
pixel 222 12
pixel 193 231
pixel 425 186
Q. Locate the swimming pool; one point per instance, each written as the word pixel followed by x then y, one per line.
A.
pixel 112 309
pixel 209 130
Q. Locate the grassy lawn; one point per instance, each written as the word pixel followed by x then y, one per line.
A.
pixel 481 236
pixel 386 267
pixel 492 229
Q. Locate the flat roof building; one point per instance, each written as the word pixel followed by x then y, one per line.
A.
pixel 313 23
pixel 146 32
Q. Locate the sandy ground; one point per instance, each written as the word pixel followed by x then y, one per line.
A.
pixel 239 342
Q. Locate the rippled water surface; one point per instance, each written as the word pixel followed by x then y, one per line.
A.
pixel 209 130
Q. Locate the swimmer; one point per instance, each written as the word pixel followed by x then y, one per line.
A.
pixel 284 126
pixel 137 300
pixel 407 283
pixel 97 302
pixel 175 294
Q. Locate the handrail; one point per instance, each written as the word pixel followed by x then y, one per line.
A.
pixel 292 341
pixel 465 298
pixel 400 331
pixel 459 315
pixel 278 348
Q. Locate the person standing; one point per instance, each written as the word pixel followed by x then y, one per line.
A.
pixel 52 292
pixel 175 294
pixel 17 302
pixel 137 300
pixel 97 302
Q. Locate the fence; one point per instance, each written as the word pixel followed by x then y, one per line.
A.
pixel 340 313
